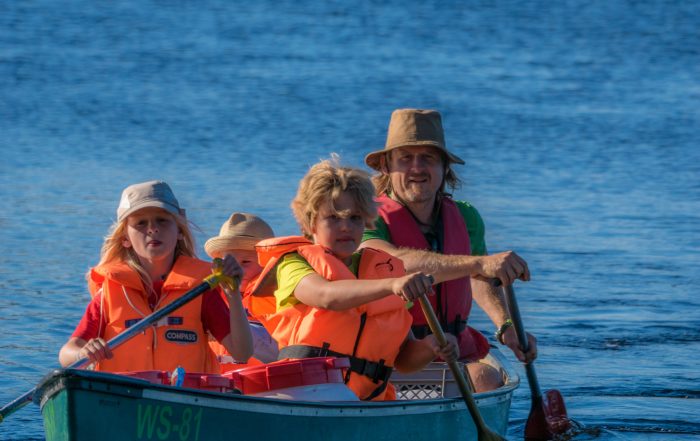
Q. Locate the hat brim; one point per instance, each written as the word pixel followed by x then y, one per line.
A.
pixel 222 243
pixel 373 159
pixel 151 204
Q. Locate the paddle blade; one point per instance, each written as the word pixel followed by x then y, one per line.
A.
pixel 547 417
pixel 555 412
pixel 536 425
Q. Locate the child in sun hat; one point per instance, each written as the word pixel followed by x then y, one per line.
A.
pixel 237 237
pixel 147 262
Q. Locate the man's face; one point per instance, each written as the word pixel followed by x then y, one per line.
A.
pixel 416 172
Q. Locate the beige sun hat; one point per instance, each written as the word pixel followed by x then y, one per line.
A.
pixel 148 194
pixel 240 232
pixel 413 127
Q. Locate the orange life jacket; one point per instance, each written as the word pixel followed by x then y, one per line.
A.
pixel 176 340
pixel 370 335
pixel 453 300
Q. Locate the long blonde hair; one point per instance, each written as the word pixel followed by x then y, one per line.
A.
pixel 328 179
pixel 113 249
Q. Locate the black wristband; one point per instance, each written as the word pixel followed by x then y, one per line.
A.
pixel 499 333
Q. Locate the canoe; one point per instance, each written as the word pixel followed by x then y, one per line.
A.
pixel 85 405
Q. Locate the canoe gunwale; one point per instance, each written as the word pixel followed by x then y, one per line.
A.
pixel 76 403
pixel 60 379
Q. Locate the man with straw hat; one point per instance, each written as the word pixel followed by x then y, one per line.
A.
pixel 238 236
pixel 421 224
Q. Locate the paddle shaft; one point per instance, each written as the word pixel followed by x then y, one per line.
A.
pixel 514 312
pixel 483 431
pixel 209 283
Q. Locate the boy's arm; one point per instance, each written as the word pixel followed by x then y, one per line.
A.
pixel 239 342
pixel 416 354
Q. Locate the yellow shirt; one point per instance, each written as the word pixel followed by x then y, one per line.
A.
pixel 290 270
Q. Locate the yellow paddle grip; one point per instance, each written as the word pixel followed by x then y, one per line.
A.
pixel 217 277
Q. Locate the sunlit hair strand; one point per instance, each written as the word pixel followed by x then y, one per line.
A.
pixel 328 180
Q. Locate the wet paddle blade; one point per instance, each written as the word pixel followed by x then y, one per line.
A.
pixel 536 425
pixel 555 412
pixel 547 417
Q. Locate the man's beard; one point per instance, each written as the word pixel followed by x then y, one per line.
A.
pixel 417 195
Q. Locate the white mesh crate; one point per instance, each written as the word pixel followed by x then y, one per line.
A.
pixel 435 381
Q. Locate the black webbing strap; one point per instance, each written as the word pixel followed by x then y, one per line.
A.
pixel 375 371
pixel 363 320
pixel 455 328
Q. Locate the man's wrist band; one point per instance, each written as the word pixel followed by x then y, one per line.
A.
pixel 499 333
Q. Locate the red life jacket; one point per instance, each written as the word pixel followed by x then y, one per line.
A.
pixel 453 300
pixel 370 335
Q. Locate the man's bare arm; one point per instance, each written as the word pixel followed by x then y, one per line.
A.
pixel 506 266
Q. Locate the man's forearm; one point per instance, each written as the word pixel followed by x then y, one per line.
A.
pixel 490 300
pixel 506 266
pixel 442 267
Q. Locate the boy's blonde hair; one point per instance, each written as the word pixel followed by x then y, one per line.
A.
pixel 113 249
pixel 328 180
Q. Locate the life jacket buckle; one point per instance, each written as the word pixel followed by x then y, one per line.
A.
pixel 323 351
pixel 375 371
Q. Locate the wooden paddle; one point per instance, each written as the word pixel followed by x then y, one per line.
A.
pixel 208 283
pixel 547 414
pixel 484 433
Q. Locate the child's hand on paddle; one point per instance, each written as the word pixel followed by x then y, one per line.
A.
pixel 449 352
pixel 412 286
pixel 95 350
pixel 231 269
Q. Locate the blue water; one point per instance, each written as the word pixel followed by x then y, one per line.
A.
pixel 579 122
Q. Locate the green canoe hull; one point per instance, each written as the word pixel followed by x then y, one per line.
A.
pixel 83 405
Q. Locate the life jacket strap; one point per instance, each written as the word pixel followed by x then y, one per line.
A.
pixel 376 371
pixel 455 328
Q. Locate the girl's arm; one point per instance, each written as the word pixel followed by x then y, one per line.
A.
pixel 76 348
pixel 86 341
pixel 338 295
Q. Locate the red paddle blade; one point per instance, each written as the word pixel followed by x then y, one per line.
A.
pixel 536 425
pixel 547 417
pixel 555 412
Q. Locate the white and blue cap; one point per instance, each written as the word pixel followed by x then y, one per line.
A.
pixel 148 194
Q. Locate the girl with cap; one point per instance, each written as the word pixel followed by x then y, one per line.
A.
pixel 334 301
pixel 237 237
pixel 148 261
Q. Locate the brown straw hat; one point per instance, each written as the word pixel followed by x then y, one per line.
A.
pixel 413 127
pixel 148 194
pixel 240 232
